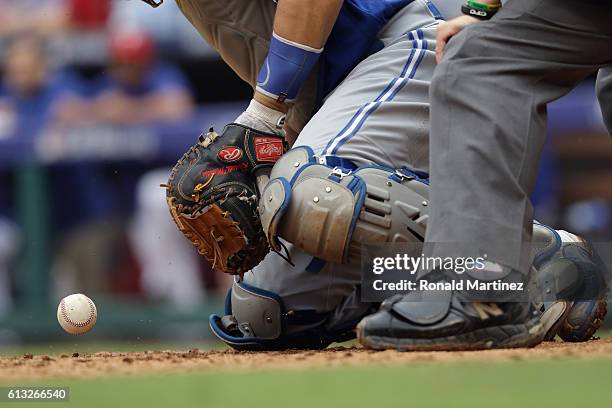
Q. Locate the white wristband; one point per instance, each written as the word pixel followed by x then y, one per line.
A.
pixel 268 115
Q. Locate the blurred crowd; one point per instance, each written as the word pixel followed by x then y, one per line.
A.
pixel 83 63
pixel 134 87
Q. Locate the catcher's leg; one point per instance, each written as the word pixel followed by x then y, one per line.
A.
pixel 379 114
pixel 378 117
pixel 314 302
pixel 278 306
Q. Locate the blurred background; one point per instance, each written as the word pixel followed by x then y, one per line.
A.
pixel 98 99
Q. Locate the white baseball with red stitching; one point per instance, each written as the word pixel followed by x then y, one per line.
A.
pixel 77 314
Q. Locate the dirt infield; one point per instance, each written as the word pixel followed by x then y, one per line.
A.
pixel 40 367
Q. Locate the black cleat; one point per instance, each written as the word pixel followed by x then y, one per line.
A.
pixel 438 321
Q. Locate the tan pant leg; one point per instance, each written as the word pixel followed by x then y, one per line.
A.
pixel 240 31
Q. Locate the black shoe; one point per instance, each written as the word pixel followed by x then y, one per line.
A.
pixel 571 273
pixel 431 321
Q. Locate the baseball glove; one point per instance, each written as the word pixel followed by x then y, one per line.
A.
pixel 212 195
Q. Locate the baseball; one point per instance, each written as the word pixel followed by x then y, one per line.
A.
pixel 77 314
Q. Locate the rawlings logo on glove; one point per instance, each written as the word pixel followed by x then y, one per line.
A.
pixel 268 149
pixel 230 154
pixel 212 195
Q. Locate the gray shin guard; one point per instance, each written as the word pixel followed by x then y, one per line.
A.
pixel 257 319
pixel 329 212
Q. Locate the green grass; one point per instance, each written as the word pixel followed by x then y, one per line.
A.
pixel 558 384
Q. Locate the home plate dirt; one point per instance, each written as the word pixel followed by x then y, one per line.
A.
pixel 38 367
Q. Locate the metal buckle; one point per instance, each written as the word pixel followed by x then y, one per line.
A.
pixel 154 3
pixel 403 177
pixel 337 171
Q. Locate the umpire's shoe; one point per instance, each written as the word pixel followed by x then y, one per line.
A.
pixel 432 321
pixel 570 272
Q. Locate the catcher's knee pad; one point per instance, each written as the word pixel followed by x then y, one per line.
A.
pixel 257 319
pixel 330 211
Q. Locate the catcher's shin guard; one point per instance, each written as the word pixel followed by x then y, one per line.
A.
pixel 567 268
pixel 257 319
pixel 328 212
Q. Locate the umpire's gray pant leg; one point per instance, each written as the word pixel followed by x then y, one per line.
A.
pixel 604 94
pixel 488 119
